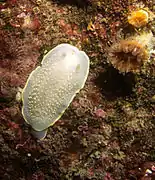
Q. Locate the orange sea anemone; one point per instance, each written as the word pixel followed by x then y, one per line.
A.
pixel 129 55
pixel 138 18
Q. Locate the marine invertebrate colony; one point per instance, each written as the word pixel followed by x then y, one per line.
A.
pixel 52 86
pixel 129 55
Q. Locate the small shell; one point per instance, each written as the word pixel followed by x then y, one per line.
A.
pixel 52 86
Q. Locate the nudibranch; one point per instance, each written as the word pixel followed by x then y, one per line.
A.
pixel 51 87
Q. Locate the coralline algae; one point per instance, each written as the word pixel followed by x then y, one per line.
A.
pixel 52 86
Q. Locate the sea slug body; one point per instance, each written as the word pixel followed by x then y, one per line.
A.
pixel 52 86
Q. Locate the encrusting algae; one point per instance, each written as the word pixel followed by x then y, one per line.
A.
pixel 129 55
pixel 52 86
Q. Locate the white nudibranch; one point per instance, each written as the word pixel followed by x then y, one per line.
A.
pixel 52 86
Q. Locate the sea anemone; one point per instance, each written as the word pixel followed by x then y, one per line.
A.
pixel 17 58
pixel 129 55
pixel 140 17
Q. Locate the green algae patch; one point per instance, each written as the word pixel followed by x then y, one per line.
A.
pixel 52 86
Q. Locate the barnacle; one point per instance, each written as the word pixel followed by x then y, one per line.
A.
pixel 130 54
pixel 52 86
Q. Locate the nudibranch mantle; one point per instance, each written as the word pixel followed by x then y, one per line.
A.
pixel 51 87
